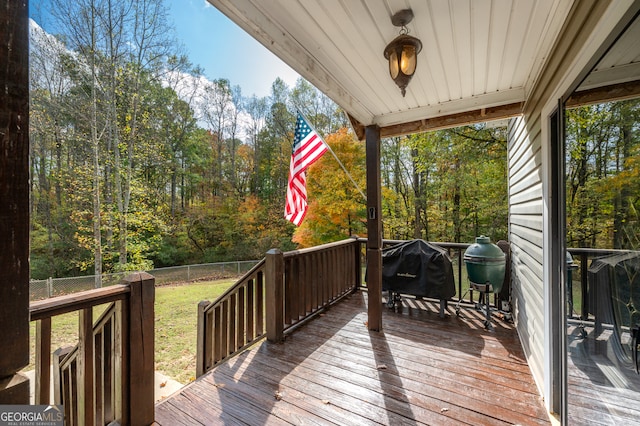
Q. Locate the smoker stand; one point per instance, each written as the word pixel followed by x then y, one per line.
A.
pixel 485 291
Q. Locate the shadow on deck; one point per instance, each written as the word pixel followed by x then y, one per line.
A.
pixel 420 370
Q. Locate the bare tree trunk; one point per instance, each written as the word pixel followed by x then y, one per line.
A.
pixel 621 201
pixel 418 196
pixel 97 236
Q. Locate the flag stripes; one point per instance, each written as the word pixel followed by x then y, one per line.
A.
pixel 308 147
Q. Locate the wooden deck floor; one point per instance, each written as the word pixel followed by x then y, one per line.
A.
pixel 420 370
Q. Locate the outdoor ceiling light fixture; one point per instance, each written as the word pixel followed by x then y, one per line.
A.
pixel 402 52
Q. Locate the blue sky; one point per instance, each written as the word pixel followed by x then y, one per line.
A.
pixel 207 36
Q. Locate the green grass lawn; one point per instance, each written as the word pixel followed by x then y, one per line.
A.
pixel 176 326
pixel 176 310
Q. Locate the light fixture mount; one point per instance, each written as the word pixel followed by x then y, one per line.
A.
pixel 402 52
pixel 402 17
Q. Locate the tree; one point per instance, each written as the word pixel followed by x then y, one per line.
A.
pixel 257 109
pixel 336 208
pixel 117 47
pixel 217 106
pixel 601 165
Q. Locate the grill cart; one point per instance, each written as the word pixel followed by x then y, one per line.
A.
pixel 419 269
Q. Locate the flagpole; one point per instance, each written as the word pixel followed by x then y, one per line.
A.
pixel 334 155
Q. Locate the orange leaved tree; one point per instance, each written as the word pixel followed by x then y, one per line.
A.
pixel 337 209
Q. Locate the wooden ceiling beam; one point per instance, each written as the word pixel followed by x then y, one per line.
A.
pixel 443 122
pixel 357 127
pixel 614 92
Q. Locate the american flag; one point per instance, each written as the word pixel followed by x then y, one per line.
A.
pixel 308 146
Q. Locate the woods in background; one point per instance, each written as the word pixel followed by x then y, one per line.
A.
pixel 603 175
pixel 139 161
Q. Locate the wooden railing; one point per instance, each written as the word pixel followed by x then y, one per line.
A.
pixel 279 293
pixel 234 321
pixel 109 376
pixel 316 277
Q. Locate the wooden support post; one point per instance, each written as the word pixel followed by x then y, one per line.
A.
pixel 274 304
pixel 203 342
pixel 374 228
pixel 14 202
pixel 141 348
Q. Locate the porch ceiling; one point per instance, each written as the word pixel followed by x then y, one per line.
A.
pixel 479 59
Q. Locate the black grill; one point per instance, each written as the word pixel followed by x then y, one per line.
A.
pixel 417 268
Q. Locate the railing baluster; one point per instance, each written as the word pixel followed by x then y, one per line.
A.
pixel 99 376
pixel 459 251
pixel 315 278
pixel 331 271
pixel 43 361
pixel 122 348
pixel 321 267
pixel 357 272
pixel 241 331
pixel 86 389
pixel 232 323
pixel 251 309
pixel 217 335
pixel 302 290
pixel 343 272
pixel 260 330
pixel 290 294
pixel 583 285
pixel 109 356
pixel 71 392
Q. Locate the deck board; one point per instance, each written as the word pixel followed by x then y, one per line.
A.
pixel 420 370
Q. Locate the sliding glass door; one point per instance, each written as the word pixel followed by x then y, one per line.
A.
pixel 601 192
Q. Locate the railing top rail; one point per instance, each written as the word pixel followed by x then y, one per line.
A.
pixel 437 243
pixel 59 305
pixel 597 252
pixel 322 247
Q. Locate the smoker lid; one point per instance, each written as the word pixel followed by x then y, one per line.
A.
pixel 483 250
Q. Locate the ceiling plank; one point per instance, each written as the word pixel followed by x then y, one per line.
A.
pixel 476 53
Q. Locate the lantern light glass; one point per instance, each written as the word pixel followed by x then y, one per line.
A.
pixel 402 52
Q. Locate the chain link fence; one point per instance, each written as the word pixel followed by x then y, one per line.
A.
pixel 42 289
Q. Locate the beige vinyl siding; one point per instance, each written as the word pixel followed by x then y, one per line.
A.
pixel 525 235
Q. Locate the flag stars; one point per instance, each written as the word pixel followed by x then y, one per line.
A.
pixel 302 131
